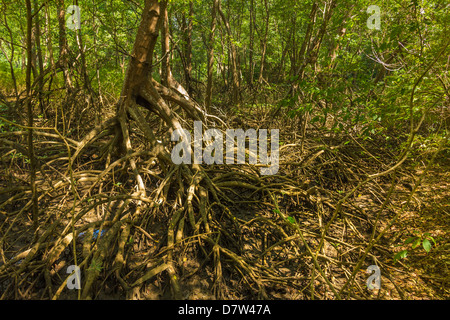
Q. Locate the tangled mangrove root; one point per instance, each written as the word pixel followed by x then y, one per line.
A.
pixel 136 221
pixel 138 226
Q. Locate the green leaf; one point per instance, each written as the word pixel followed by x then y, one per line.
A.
pixel 416 243
pixel 409 240
pixel 400 255
pixel 429 237
pixel 96 266
pixel 426 245
pixel 316 118
pixel 291 220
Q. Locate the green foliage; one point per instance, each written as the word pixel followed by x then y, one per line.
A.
pixel 425 240
pixel 346 83
pixel 96 266
pixel 7 126
pixel 291 220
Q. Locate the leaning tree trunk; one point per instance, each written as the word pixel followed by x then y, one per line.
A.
pixel 141 90
pixel 139 87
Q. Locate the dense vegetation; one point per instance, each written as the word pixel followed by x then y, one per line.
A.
pixel 86 117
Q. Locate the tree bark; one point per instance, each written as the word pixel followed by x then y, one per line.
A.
pixel 264 44
pixel 11 57
pixel 252 35
pixel 49 60
pixel 139 87
pixel 233 58
pixel 63 47
pixel 188 49
pixel 88 91
pixel 165 45
pixel 29 107
pixel 167 78
pixel 40 61
pixel 209 84
pixel 313 46
pixel 307 41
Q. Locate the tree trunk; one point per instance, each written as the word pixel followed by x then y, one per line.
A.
pixel 209 84
pixel 315 48
pixel 167 79
pixel 165 45
pixel 11 57
pixel 63 47
pixel 49 60
pixel 252 35
pixel 40 61
pixel 264 44
pixel 307 41
pixel 88 92
pixel 188 49
pixel 29 107
pixel 335 42
pixel 293 55
pixel 233 58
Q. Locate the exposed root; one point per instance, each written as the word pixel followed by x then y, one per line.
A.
pixel 118 208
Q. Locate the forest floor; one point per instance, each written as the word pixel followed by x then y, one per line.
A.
pixel 327 168
pixel 425 275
